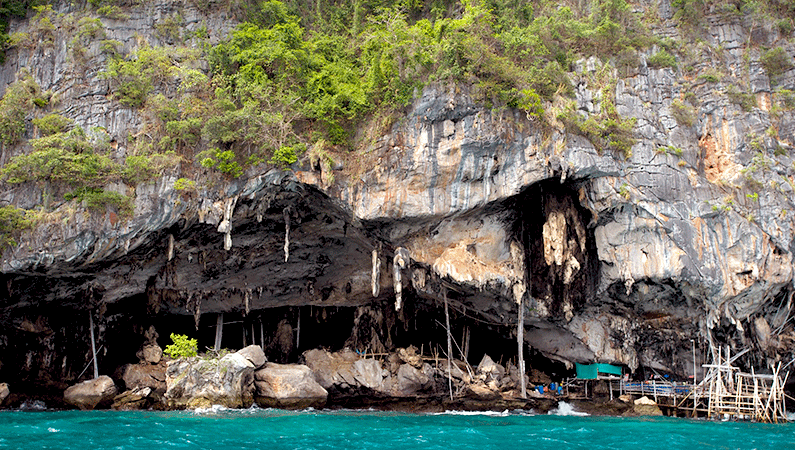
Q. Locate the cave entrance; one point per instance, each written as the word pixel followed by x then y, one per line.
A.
pixel 560 248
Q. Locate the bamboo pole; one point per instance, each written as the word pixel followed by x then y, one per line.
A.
pixel 219 331
pixel 261 336
pixel 520 345
pixel 449 344
pixel 298 331
pixel 93 345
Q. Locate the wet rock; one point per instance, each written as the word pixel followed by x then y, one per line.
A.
pixel 4 392
pixel 644 409
pixel 91 394
pixel 145 375
pixel 200 383
pixel 254 354
pixel 288 386
pixel 134 399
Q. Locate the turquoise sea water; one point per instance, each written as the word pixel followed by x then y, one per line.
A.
pixel 273 429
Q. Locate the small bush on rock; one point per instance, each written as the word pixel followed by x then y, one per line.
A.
pixel 183 347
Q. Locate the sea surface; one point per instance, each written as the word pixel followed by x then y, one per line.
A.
pixel 372 430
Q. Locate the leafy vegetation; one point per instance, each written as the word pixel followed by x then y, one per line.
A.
pixel 776 61
pixel 12 220
pixel 181 347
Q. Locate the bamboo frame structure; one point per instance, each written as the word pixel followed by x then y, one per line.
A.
pixel 726 392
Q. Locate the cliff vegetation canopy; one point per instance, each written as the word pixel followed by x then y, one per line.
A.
pixel 308 79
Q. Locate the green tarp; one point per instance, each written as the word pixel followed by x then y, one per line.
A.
pixel 592 371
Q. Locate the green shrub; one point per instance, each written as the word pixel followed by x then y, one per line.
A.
pixel 112 12
pixel 684 114
pixel 222 160
pixel 18 99
pixel 52 124
pixel 97 199
pixel 182 347
pixel 746 101
pixel 184 184
pixel 662 59
pixel 12 221
pixel 285 155
pixel 776 61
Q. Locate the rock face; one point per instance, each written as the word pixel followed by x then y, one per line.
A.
pixel 201 383
pixel 623 258
pixel 288 386
pixel 254 354
pixel 134 399
pixel 136 376
pixel 90 394
pixel 5 391
pixel 345 372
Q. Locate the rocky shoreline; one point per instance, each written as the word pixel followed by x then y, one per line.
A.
pixel 402 380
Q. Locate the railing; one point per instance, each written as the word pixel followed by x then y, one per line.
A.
pixel 655 388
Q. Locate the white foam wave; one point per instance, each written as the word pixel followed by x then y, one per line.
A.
pixel 215 409
pixel 565 409
pixel 474 413
pixel 53 430
pixel 35 405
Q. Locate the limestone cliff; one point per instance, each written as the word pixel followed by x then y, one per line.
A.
pixel 623 258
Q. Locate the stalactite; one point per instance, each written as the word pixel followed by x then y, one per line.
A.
pixel 170 247
pixel 519 291
pixel 247 300
pixel 286 214
pixel 400 261
pixel 225 226
pixel 375 279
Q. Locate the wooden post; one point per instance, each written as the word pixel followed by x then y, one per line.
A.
pixel 520 345
pixel 219 331
pixel 449 345
pixel 261 336
pixel 93 345
pixel 298 331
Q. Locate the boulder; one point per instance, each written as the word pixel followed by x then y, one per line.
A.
pixel 152 353
pixel 490 369
pixel 145 375
pixel 369 374
pixel 201 383
pixel 345 371
pixel 482 392
pixel 4 392
pixel 134 399
pixel 645 401
pixel 409 381
pixel 90 394
pixel 644 409
pixel 254 354
pixel 409 356
pixel 288 386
